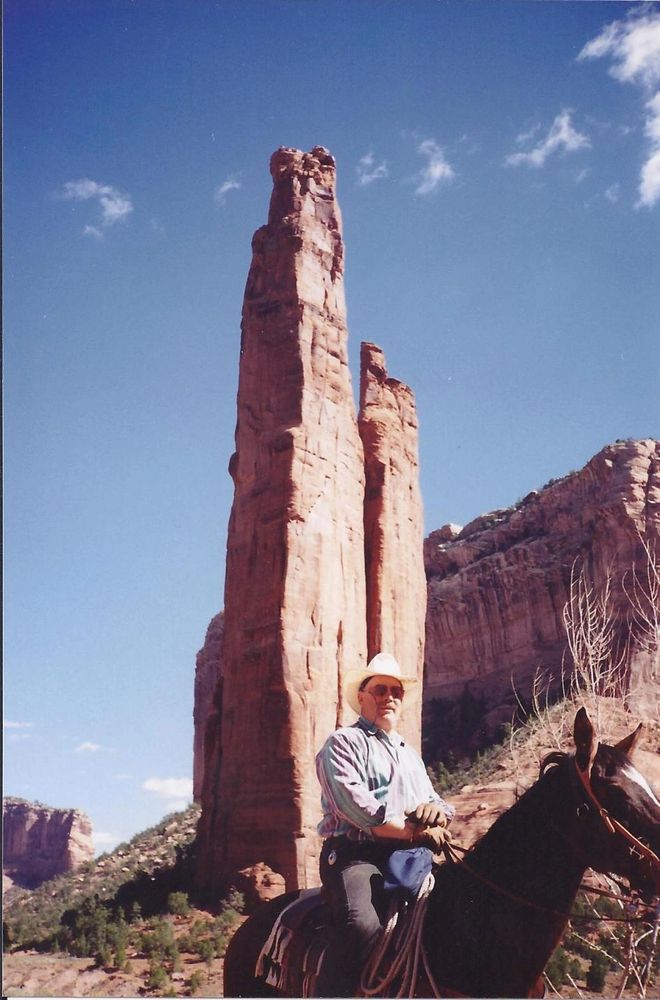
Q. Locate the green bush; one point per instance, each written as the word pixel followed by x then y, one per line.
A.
pixel 597 972
pixel 158 978
pixel 196 982
pixel 206 950
pixel 177 904
pixel 557 967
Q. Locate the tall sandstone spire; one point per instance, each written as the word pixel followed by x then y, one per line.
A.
pixel 393 525
pixel 295 614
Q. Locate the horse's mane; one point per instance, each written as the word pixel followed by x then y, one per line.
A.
pixel 556 757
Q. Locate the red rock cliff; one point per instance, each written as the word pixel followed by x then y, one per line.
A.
pixel 208 677
pixel 40 842
pixel 393 525
pixel 295 585
pixel 497 587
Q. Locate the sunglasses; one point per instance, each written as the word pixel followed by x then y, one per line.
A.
pixel 380 690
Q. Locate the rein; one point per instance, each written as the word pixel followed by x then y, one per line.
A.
pixel 613 827
pixel 611 824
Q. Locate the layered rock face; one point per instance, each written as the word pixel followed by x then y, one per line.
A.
pixel 393 525
pixel 497 589
pixel 295 606
pixel 208 696
pixel 40 842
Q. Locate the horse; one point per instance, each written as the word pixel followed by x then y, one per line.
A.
pixel 494 920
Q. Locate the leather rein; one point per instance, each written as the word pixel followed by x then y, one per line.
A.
pixel 612 825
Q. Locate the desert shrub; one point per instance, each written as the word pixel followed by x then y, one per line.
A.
pixel 595 979
pixel 206 950
pixel 158 977
pixel 196 982
pixel 234 901
pixel 558 967
pixel 159 941
pixel 199 930
pixel 103 957
pixel 177 904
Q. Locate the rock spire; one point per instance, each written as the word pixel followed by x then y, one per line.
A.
pixel 393 524
pixel 295 605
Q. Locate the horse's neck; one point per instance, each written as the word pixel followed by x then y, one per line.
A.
pixel 532 850
pixel 512 908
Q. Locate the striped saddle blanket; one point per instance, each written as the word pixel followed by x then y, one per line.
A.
pixel 291 958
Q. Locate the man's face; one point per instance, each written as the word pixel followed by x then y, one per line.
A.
pixel 381 701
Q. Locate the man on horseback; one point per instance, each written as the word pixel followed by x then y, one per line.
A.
pixel 376 799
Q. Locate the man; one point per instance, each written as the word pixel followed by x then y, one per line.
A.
pixel 376 798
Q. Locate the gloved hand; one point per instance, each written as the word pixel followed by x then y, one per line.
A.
pixel 427 814
pixel 434 838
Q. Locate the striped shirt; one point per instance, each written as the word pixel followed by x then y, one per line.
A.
pixel 369 777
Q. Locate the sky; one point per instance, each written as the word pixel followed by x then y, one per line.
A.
pixel 499 179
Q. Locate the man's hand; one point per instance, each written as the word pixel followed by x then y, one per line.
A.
pixel 434 838
pixel 427 814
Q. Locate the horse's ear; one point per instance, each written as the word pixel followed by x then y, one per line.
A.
pixel 628 744
pixel 583 735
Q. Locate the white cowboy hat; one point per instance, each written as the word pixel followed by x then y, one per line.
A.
pixel 382 665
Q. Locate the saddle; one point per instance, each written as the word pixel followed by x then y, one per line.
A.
pixel 290 960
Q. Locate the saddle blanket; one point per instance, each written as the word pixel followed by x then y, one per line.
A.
pixel 288 968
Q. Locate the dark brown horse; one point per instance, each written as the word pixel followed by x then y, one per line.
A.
pixel 493 922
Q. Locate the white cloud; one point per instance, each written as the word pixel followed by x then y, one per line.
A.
pixel 561 137
pixel 178 805
pixel 114 205
pixel 93 231
pixel 633 44
pixel 88 748
pixel 649 182
pixel 170 788
pixel 231 184
pixel 104 840
pixel 7 724
pixel 368 171
pixel 437 170
pixel 613 192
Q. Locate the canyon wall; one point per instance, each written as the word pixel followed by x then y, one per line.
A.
pixel 40 842
pixel 497 589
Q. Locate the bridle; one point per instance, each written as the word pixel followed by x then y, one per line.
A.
pixel 612 825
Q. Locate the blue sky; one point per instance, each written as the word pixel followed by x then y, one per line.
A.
pixel 499 178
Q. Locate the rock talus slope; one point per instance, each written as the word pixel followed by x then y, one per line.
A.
pixel 497 587
pixel 295 606
pixel 40 842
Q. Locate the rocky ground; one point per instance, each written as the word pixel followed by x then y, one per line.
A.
pixel 29 974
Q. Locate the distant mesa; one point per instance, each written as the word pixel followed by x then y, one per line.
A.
pixel 40 842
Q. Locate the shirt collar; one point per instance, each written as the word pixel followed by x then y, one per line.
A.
pixel 371 729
